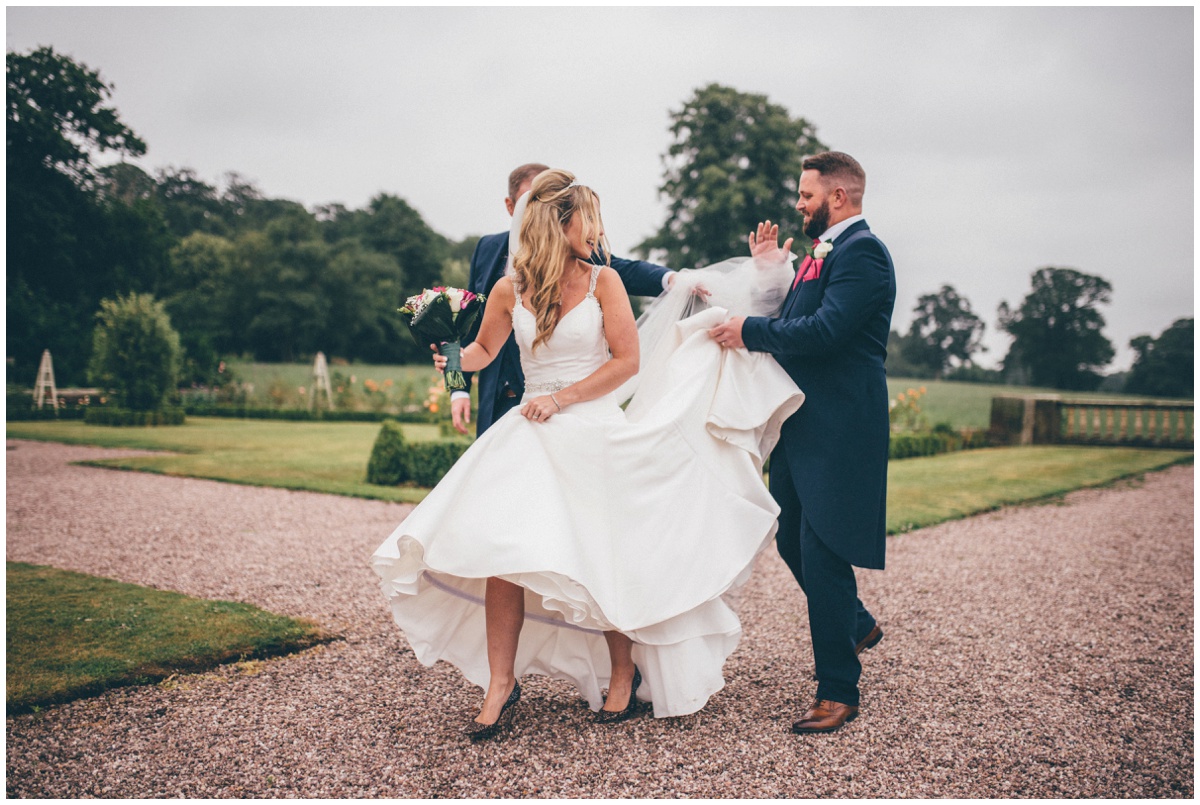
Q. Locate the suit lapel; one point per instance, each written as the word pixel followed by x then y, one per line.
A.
pixel 826 265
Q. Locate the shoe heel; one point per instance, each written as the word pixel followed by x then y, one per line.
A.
pixel 482 732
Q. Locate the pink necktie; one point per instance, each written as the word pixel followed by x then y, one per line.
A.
pixel 805 266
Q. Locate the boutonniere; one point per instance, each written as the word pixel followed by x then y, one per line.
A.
pixel 822 251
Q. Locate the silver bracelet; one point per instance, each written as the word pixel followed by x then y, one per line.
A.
pixel 556 405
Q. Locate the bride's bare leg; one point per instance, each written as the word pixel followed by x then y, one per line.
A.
pixel 504 605
pixel 620 652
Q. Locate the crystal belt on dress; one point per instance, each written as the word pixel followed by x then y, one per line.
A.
pixel 549 387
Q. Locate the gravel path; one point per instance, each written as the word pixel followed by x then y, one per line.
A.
pixel 1042 651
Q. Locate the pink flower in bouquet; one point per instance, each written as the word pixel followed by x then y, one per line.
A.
pixel 443 316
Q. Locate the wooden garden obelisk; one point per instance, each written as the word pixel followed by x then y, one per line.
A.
pixel 45 383
pixel 320 383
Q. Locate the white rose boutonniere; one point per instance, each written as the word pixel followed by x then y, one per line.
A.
pixel 822 251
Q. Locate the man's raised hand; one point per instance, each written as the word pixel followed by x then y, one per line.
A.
pixel 764 243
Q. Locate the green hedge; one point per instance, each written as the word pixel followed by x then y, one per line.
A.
pixel 932 443
pixel 19 408
pixel 201 408
pixel 396 461
pixel 124 418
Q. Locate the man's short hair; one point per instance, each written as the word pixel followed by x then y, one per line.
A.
pixel 842 169
pixel 521 174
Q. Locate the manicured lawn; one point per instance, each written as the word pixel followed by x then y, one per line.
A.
pixel 318 456
pixel 332 457
pixel 70 635
pixel 926 491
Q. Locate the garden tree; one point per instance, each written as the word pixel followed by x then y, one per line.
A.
pixel 282 304
pixel 57 118
pixel 1165 366
pixel 944 333
pixel 390 226
pixel 125 182
pixel 1056 331
pixel 135 352
pixel 66 246
pixel 363 289
pixel 897 365
pixel 189 204
pixel 735 160
pixel 197 297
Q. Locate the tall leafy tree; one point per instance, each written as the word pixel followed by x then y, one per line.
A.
pixel 1057 338
pixel 735 161
pixel 189 203
pixel 57 118
pixel 1165 366
pixel 944 333
pixel 67 247
pixel 363 288
pixel 198 297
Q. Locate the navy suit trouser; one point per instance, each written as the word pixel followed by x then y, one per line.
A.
pixel 837 619
pixel 502 406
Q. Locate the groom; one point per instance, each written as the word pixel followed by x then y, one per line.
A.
pixel 502 382
pixel 829 470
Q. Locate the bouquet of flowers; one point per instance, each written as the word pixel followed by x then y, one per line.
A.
pixel 443 316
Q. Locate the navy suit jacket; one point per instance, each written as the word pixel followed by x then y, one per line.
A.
pixel 504 373
pixel 831 337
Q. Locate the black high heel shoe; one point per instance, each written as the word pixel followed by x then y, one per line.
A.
pixel 614 716
pixel 482 732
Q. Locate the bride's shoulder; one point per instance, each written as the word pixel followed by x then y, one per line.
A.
pixel 503 290
pixel 610 288
pixel 606 277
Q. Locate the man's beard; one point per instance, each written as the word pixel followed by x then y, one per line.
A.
pixel 818 222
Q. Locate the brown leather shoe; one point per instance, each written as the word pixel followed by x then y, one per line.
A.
pixel 873 637
pixel 825 716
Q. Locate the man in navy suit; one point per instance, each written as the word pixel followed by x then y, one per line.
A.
pixel 502 382
pixel 829 470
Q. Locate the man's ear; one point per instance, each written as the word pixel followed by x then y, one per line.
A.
pixel 509 205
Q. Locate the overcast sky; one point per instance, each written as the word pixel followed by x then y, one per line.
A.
pixel 995 141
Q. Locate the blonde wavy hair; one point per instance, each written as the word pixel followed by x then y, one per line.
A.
pixel 554 200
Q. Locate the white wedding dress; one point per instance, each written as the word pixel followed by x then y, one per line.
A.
pixel 638 520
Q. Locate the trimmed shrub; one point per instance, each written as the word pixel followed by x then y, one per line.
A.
pixel 395 461
pixel 931 443
pixel 429 461
pixel 386 465
pixel 135 352
pixel 124 418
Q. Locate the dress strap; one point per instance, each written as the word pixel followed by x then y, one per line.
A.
pixel 516 294
pixel 592 287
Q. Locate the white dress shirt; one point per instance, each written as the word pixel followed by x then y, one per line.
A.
pixel 830 234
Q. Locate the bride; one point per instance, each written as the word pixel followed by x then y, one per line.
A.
pixel 575 539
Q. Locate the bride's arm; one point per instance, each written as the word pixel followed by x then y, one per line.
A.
pixel 493 332
pixel 620 330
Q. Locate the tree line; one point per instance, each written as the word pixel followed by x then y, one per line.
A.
pixel 238 273
pixel 241 274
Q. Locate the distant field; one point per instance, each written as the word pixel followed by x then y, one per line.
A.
pixel 969 405
pixel 356 387
pixel 963 405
